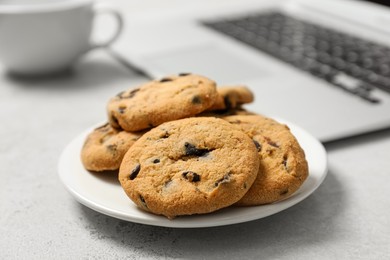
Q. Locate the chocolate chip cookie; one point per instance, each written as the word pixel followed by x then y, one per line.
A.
pixel 283 166
pixel 230 97
pixel 189 166
pixel 162 100
pixel 105 147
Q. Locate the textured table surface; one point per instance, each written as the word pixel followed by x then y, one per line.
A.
pixel 348 217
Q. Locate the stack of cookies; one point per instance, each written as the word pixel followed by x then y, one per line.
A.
pixel 184 146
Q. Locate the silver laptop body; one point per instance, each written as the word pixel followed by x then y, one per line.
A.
pixel 339 94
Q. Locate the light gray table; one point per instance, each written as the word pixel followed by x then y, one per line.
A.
pixel 348 217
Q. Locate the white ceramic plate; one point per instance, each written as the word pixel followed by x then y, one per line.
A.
pixel 103 193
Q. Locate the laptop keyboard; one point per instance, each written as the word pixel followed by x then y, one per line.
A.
pixel 353 64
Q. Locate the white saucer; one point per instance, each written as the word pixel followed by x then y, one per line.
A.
pixel 103 193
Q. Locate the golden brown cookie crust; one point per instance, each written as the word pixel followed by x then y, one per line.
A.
pixel 283 166
pixel 105 147
pixel 160 101
pixel 189 166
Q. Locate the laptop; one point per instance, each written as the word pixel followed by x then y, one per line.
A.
pixel 323 65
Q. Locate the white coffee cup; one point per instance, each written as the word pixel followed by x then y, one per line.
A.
pixel 48 36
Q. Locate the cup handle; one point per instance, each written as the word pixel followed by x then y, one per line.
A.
pixel 106 9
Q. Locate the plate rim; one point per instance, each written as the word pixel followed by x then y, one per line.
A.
pixel 161 221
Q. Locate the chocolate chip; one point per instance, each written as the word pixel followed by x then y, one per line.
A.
pixel 283 192
pixel 224 179
pixel 191 150
pixel 135 172
pixel 184 74
pixel 167 183
pixel 191 176
pixel 133 92
pixel 121 95
pixel 143 202
pixel 156 160
pixel 103 128
pixel 121 109
pixel 112 148
pixel 237 121
pixel 270 152
pixel 166 135
pixel 165 80
pixel 270 142
pixel 196 100
pixel 258 145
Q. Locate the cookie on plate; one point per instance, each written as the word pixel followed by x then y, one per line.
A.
pixel 189 166
pixel 283 166
pixel 159 101
pixel 230 97
pixel 105 147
